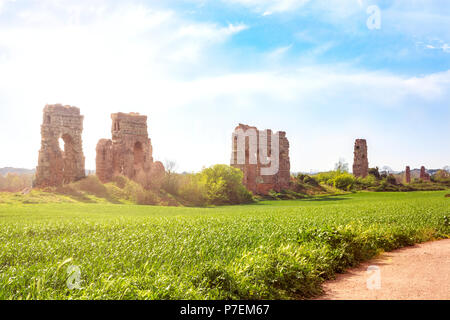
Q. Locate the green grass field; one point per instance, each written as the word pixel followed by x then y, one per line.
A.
pixel 272 249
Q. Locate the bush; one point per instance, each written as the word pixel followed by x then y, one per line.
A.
pixel 147 197
pixel 375 173
pixel 172 182
pixel 92 185
pixel 120 181
pixel 391 179
pixel 303 184
pixel 442 176
pixel 344 181
pixel 223 185
pixel 193 190
pixel 368 182
pixel 311 181
pixel 217 185
pixel 306 179
pixel 326 177
pixel 14 182
pixel 339 179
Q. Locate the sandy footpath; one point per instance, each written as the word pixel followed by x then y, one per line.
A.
pixel 418 272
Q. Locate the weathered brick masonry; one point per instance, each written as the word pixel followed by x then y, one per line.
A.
pixel 129 153
pixel 56 166
pixel 360 160
pixel 253 179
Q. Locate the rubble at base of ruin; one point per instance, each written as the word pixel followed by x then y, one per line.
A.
pixel 424 176
pixel 56 166
pixel 129 152
pixel 360 160
pixel 254 178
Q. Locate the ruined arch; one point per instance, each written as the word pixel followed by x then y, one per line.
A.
pixel 57 166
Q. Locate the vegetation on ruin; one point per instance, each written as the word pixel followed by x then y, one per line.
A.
pixel 265 250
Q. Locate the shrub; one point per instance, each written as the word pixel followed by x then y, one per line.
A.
pixel 14 182
pixel 391 179
pixel 120 181
pixel 223 185
pixel 326 177
pixel 193 190
pixel 367 182
pixel 442 176
pixel 92 185
pixel 172 182
pixel 375 172
pixel 217 185
pixel 344 181
pixel 147 197
pixel 311 181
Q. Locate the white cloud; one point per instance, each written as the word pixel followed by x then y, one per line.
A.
pixel 278 53
pixel 315 106
pixel 268 7
pixel 435 44
pixel 4 3
pixel 104 60
pixel 133 58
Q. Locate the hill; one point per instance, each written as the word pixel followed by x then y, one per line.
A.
pixel 6 170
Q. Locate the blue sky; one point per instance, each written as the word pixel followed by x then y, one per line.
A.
pixel 197 68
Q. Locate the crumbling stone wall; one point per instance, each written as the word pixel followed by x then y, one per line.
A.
pixel 360 160
pixel 424 176
pixel 129 153
pixel 56 166
pixel 104 160
pixel 408 175
pixel 254 178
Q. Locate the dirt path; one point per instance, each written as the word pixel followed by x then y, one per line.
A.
pixel 419 272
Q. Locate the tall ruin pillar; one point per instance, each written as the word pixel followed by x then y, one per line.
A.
pixel 424 176
pixel 104 160
pixel 360 160
pixel 56 166
pixel 408 175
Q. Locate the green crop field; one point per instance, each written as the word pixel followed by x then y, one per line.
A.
pixel 272 249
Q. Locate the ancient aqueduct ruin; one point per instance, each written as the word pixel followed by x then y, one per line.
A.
pixel 130 153
pixel 56 166
pixel 254 180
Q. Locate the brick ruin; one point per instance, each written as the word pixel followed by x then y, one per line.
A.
pixel 56 166
pixel 259 175
pixel 424 176
pixel 408 175
pixel 360 160
pixel 129 153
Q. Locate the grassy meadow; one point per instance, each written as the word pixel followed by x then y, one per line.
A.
pixel 267 250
